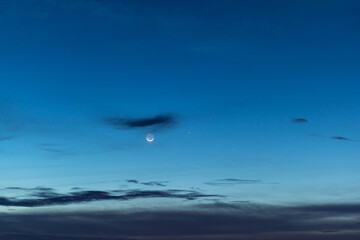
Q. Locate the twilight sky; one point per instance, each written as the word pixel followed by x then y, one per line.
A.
pixel 254 107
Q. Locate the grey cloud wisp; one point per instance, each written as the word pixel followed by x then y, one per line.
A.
pixel 340 138
pixel 48 197
pixel 6 138
pixel 299 120
pixel 156 122
pixel 151 183
pixel 344 139
pixel 232 181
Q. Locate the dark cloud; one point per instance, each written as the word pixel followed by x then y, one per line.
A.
pixel 331 208
pixel 211 222
pixel 155 123
pixel 340 138
pixel 329 231
pixel 7 138
pixel 48 197
pixel 299 120
pixel 41 192
pixel 232 181
pixel 344 139
pixel 51 147
pixel 43 189
pixel 151 183
pixel 238 205
pixel 15 188
pixel 335 137
pixel 54 150
pixel 154 183
pixel 46 194
pixel 52 237
pixel 132 181
pixel 31 189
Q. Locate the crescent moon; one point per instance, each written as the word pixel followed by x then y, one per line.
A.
pixel 150 137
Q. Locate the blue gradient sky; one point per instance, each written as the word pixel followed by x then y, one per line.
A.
pixel 233 74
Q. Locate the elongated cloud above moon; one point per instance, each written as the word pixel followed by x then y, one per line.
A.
pixel 155 123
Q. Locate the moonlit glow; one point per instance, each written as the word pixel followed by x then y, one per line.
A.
pixel 150 137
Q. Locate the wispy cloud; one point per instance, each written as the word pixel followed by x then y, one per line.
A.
pixel 54 150
pixel 48 197
pixel 6 138
pixel 232 181
pixel 335 137
pixel 132 181
pixel 155 123
pixel 154 183
pixel 151 183
pixel 330 208
pixel 344 139
pixel 299 120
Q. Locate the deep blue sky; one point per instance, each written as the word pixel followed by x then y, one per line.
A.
pixel 256 101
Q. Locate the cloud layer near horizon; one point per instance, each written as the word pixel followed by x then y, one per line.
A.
pixel 199 222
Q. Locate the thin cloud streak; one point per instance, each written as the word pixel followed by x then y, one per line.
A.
pixel 6 138
pixel 151 183
pixel 48 197
pixel 299 120
pixel 344 139
pixel 232 181
pixel 156 123
pixel 340 138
